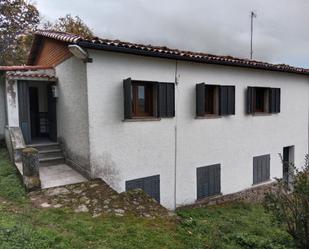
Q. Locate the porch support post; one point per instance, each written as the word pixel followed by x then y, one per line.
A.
pixel 12 103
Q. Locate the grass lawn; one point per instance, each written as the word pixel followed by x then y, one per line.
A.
pixel 229 226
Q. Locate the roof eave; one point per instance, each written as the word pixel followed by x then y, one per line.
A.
pixel 104 47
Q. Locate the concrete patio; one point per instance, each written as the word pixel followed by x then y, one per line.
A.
pixel 59 175
pixel 56 175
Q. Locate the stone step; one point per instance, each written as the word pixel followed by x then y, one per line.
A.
pixel 50 161
pixel 50 153
pixel 45 146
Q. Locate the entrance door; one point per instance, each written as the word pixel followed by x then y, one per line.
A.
pixel 288 161
pixel 52 114
pixel 24 114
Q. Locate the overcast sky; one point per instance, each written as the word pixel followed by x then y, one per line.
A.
pixel 281 33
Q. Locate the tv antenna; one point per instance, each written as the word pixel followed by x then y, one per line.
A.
pixel 252 15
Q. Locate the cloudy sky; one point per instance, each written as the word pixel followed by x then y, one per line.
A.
pixel 281 33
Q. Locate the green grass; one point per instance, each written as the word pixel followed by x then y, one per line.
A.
pixel 230 226
pixel 233 226
pixel 10 185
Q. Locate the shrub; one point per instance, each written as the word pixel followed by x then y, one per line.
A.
pixel 290 205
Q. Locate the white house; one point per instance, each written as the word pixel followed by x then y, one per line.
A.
pixel 180 125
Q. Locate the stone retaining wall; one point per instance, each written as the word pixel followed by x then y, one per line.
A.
pixel 253 195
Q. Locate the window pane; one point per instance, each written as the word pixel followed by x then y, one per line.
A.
pixel 141 98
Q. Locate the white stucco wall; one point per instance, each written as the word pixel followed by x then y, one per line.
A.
pixel 2 107
pixel 233 141
pixel 72 112
pixel 122 151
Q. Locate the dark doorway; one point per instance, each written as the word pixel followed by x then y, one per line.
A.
pixel 37 112
pixel 288 164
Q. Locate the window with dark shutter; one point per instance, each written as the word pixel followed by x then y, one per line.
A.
pixel 144 99
pixel 261 169
pixel 208 181
pixel 166 100
pixel 215 100
pixel 150 185
pixel 263 100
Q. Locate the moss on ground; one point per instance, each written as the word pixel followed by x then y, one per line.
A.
pixel 231 226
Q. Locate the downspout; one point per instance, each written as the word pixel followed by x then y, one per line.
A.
pixel 176 133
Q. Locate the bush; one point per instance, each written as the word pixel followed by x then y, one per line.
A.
pixel 290 205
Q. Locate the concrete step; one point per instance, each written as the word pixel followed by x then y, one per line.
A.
pixel 50 161
pixel 50 153
pixel 45 146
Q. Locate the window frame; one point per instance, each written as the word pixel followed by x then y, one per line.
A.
pixel 161 100
pixel 223 98
pixel 271 102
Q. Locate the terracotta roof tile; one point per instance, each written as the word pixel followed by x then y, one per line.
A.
pixel 23 68
pixel 164 52
pixel 14 75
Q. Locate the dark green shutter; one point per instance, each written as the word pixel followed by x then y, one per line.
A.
pixel 208 181
pixel 231 100
pixel 261 169
pixel 223 100
pixel 150 185
pixel 127 94
pixel 200 99
pixel 166 100
pixel 226 100
pixel 274 100
pixel 170 92
pixel 162 100
pixel 250 100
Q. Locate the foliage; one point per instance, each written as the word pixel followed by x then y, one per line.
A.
pixel 17 19
pixel 290 205
pixel 232 226
pixel 10 184
pixel 70 24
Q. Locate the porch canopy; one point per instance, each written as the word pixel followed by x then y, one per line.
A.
pixel 40 73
